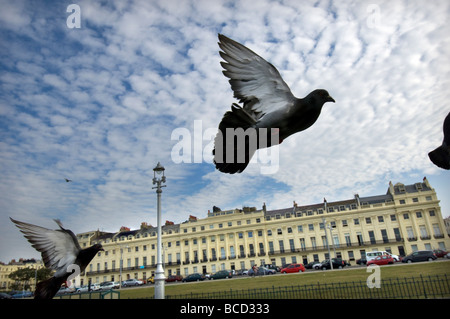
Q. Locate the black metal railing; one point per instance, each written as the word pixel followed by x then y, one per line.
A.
pixel 421 287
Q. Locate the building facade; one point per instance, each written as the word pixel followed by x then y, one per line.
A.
pixel 6 283
pixel 405 219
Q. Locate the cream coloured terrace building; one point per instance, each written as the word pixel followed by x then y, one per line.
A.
pixel 405 219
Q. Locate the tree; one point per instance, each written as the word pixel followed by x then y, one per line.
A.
pixel 24 276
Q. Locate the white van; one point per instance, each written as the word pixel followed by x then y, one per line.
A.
pixel 373 254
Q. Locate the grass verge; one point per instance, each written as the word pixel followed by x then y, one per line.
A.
pixel 313 277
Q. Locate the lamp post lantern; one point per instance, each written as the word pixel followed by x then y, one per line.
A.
pixel 158 178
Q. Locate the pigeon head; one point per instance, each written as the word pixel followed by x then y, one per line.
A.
pixel 320 97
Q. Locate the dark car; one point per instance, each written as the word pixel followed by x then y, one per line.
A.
pixel 193 277
pixel 174 278
pixel 311 264
pixel 421 255
pixel 337 264
pixel 221 274
pixel 361 261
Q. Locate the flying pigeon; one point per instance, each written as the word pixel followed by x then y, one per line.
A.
pixel 60 251
pixel 441 155
pixel 67 180
pixel 270 112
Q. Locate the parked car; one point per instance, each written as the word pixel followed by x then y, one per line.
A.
pixel 4 295
pixel 381 260
pixel 318 265
pixel 193 277
pixel 293 268
pixel 241 272
pixel 261 271
pixel 440 253
pixel 173 278
pixel 274 267
pixel 421 255
pixel 361 261
pixel 66 290
pixel 337 264
pixel 132 282
pixel 311 264
pixel 22 294
pixel 107 285
pixel 221 274
pixel 373 254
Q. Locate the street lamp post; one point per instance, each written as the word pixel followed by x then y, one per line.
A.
pixel 326 235
pixel 159 274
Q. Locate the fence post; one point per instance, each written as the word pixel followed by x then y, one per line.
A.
pixel 423 287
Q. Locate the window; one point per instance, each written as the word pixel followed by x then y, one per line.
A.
pixel 311 227
pixel 402 201
pixel 232 253
pixel 252 250
pixel 302 243
pixel 410 232
pixel 344 223
pixel 423 232
pixel 241 251
pixel 397 235
pixel 356 221
pixel 250 234
pixel 261 249
pixel 281 243
pixel 437 230
pixel 279 231
pixel 406 216
pixel 368 220
pixel 384 236
pixel 336 241
pixel 313 242
pixel 291 245
pixel 419 214
pixel 380 219
pixel 271 251
pixel 300 228
pixel 393 218
pixel 432 213
pixel 348 241
pixel 372 237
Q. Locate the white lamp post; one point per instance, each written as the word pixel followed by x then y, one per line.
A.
pixel 158 178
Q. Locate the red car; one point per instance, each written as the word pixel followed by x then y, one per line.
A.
pixel 381 260
pixel 175 278
pixel 293 268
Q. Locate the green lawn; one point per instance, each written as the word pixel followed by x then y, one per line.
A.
pixel 313 277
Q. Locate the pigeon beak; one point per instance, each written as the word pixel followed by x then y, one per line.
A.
pixel 330 99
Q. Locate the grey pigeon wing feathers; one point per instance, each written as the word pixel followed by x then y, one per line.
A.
pixel 59 248
pixel 254 81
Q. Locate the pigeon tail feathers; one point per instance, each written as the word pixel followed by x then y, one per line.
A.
pixel 236 121
pixel 440 157
pixel 47 289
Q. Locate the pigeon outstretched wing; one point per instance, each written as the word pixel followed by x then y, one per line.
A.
pixel 254 81
pixel 59 248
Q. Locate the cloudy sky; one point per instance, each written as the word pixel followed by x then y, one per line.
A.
pixel 102 103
